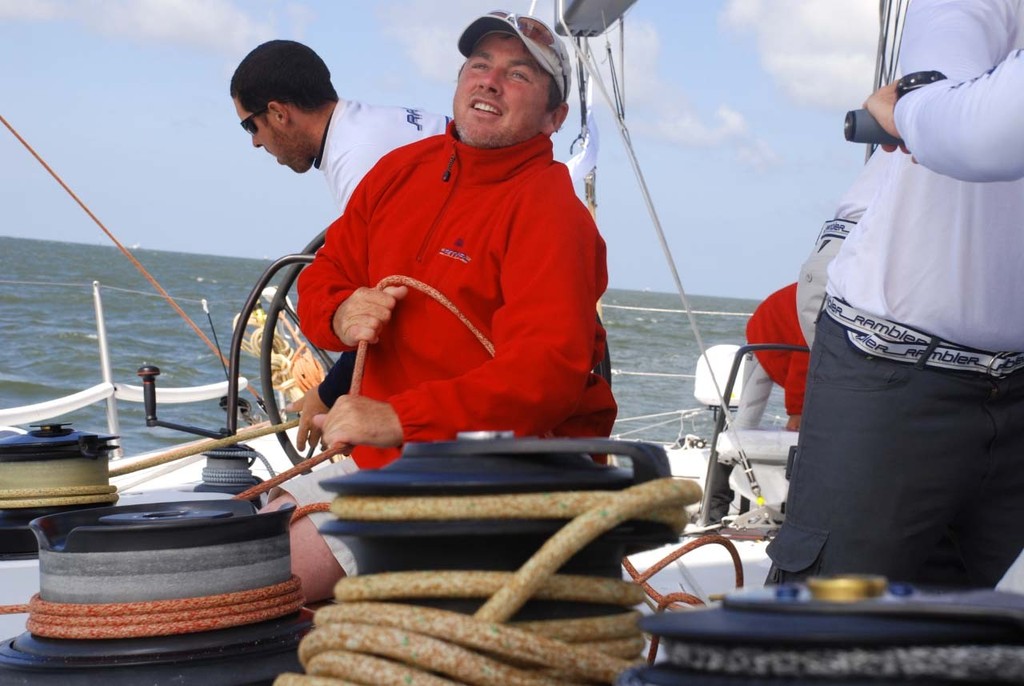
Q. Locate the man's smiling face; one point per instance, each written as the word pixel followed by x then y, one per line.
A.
pixel 501 98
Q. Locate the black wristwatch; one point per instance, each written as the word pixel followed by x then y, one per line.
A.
pixel 912 82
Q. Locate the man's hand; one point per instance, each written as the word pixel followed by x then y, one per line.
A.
pixel 355 420
pixel 794 423
pixel 362 315
pixel 309 405
pixel 882 105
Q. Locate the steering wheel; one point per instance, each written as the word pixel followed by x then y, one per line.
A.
pixel 279 305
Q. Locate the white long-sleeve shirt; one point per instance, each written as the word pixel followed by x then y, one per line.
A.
pixel 968 126
pixel 933 252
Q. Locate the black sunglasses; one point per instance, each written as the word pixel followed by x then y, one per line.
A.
pixel 249 125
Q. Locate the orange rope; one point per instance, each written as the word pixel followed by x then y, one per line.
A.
pixel 306 370
pixel 120 246
pixel 668 600
pixel 675 555
pixel 303 466
pixel 164 617
pixel 306 510
pixel 399 280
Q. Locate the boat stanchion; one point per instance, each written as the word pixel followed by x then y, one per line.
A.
pixel 494 556
pixel 194 593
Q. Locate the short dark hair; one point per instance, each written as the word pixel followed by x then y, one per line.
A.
pixel 285 71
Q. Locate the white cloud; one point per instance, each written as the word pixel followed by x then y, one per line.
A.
pixel 682 125
pixel 661 109
pixel 758 155
pixel 821 54
pixel 428 31
pixel 213 25
pixel 39 10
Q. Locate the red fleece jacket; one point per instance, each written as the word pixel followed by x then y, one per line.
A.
pixel 775 321
pixel 501 233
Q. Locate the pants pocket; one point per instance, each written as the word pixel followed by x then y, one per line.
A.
pixel 796 552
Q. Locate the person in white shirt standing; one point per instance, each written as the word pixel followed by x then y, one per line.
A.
pixel 913 422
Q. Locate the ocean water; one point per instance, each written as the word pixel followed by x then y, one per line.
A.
pixel 50 344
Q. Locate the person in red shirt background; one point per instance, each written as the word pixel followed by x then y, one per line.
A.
pixel 775 321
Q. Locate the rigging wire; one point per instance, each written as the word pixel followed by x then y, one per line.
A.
pixel 614 103
pixel 120 246
pixel 891 16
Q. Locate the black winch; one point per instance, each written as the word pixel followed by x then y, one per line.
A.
pixel 227 470
pixel 50 460
pixel 152 553
pixel 487 466
pixel 849 629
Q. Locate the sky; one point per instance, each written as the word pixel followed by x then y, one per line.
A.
pixel 734 109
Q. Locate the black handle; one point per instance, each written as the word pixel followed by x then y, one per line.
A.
pixel 861 127
pixel 649 460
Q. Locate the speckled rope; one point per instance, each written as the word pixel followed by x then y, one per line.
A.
pixel 436 295
pixel 386 643
pixel 15 498
pixel 651 495
pixel 458 646
pixel 399 280
pixel 163 617
pixel 552 505
pixel 128 467
pixel 576 588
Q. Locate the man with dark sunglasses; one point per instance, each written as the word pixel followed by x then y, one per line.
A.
pixel 487 217
pixel 286 102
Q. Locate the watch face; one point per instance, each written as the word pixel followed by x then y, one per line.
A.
pixel 916 80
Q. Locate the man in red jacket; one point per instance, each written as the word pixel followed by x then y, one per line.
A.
pixel 484 215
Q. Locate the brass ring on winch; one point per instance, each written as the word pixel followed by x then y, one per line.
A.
pixel 847 588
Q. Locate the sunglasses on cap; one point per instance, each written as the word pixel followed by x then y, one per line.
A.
pixel 538 32
pixel 249 123
pixel 528 26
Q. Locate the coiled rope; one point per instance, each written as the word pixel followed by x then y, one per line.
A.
pixel 15 498
pixel 293 371
pixel 224 466
pixel 361 640
pixel 55 483
pixel 145 619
